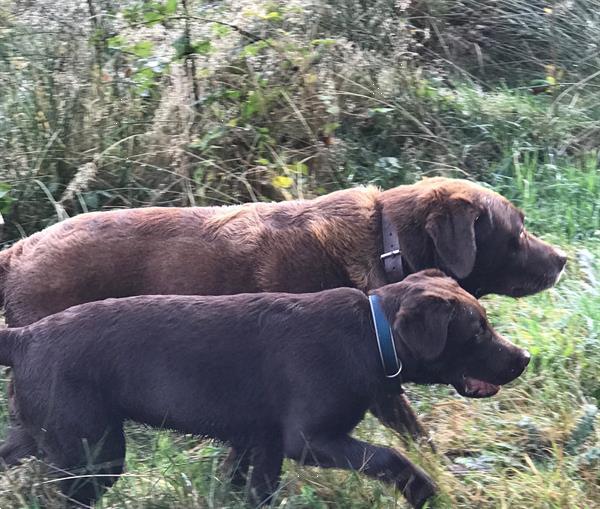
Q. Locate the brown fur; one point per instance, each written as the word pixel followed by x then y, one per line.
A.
pixel 300 246
pixel 276 375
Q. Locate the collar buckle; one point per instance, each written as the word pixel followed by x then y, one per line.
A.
pixel 389 254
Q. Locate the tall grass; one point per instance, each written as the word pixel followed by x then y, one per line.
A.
pixel 321 96
pixel 561 195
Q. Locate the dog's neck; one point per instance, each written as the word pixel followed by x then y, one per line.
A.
pixel 404 245
pixel 392 365
pixel 393 263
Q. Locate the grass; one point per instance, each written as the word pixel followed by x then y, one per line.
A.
pixel 384 106
pixel 535 445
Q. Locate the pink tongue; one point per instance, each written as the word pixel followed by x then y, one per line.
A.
pixel 479 387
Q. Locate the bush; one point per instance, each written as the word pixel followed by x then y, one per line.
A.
pixel 156 103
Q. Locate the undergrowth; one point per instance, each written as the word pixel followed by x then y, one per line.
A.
pixel 110 104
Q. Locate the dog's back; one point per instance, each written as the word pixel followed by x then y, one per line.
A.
pixel 196 364
pixel 194 251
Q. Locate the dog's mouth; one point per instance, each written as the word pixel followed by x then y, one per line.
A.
pixel 474 388
pixel 548 280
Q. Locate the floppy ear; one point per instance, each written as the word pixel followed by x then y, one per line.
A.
pixel 453 233
pixel 424 328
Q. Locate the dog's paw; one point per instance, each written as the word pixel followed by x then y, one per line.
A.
pixel 419 489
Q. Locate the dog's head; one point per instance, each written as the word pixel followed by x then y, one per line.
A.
pixel 473 234
pixel 442 336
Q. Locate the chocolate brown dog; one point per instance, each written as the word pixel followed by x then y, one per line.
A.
pixel 337 240
pixel 469 232
pixel 280 375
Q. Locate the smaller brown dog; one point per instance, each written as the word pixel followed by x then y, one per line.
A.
pixel 276 375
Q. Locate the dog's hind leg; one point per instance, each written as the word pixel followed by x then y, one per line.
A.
pixel 380 463
pixel 86 462
pixel 18 444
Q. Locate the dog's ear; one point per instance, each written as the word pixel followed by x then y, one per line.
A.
pixel 452 229
pixel 423 328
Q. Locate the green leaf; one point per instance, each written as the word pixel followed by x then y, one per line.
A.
pixel 323 42
pixel 171 7
pixel 220 30
pixel 251 50
pixel 142 49
pixel 4 189
pixel 272 16
pixel 144 79
pixel 153 17
pixel 207 141
pixel 6 199
pixel 116 42
pixel 181 45
pixel 330 128
pixel 201 47
pixel 132 14
pixel 252 105
pixel 382 111
pixel 232 94
pixel 298 168
pixel 301 168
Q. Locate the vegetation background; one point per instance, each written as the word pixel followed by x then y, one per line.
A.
pixel 107 104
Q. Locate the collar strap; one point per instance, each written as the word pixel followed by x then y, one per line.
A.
pixel 385 339
pixel 392 256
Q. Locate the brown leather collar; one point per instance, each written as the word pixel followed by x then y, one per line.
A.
pixel 392 256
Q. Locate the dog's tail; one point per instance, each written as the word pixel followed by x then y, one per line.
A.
pixel 11 344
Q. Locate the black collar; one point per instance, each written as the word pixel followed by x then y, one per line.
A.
pixel 392 366
pixel 392 256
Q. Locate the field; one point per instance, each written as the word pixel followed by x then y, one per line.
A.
pixel 536 444
pixel 151 105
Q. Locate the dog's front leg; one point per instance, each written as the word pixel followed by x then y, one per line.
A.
pixel 236 466
pixel 380 463
pixel 395 412
pixel 266 461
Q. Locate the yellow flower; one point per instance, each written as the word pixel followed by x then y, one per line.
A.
pixel 282 182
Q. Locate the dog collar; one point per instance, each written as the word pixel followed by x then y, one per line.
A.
pixel 385 339
pixel 392 256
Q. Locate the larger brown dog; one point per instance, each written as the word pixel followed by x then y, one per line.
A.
pixel 471 233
